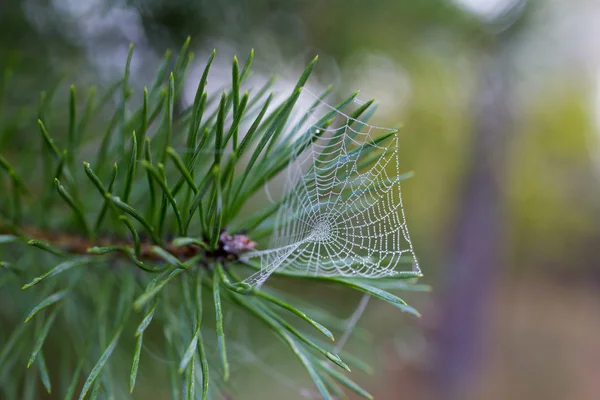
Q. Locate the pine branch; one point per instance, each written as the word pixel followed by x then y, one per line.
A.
pixel 172 227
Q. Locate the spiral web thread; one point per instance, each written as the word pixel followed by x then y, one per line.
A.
pixel 341 214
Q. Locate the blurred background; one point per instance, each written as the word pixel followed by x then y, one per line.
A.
pixel 500 104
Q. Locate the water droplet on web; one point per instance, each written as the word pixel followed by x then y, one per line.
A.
pixel 341 213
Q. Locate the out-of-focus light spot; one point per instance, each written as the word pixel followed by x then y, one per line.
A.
pixel 488 10
pixel 594 140
pixel 378 76
pixel 103 32
pixel 77 8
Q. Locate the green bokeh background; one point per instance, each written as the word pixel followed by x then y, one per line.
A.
pixel 425 61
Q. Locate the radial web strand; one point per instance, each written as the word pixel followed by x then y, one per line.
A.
pixel 341 211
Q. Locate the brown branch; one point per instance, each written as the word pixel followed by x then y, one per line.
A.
pixel 77 244
pixel 228 248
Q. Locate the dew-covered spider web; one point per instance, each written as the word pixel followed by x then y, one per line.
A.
pixel 341 212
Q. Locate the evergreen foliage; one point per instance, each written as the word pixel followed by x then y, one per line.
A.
pixel 98 256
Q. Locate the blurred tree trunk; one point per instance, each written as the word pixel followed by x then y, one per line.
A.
pixel 477 238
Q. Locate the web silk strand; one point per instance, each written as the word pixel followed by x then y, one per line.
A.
pixel 342 213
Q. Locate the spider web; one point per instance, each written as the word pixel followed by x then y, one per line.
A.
pixel 341 211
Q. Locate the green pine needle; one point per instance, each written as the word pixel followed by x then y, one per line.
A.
pixel 159 237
